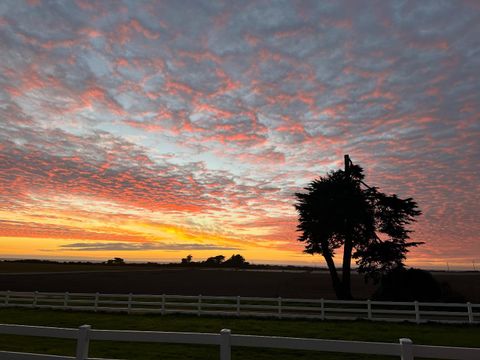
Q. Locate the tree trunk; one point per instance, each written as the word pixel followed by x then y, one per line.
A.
pixel 346 268
pixel 337 285
pixel 348 246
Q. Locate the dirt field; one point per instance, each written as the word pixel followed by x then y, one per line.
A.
pixel 300 284
pixel 184 282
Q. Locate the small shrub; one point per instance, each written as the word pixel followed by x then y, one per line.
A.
pixel 401 284
pixel 449 295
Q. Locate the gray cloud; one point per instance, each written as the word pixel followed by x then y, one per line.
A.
pixel 123 246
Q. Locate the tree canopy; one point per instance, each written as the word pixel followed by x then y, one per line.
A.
pixel 187 259
pixel 340 210
pixel 215 260
pixel 115 261
pixel 236 260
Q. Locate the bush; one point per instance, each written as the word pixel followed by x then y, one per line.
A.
pixel 401 284
pixel 451 296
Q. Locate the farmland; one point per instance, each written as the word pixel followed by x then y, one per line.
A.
pixel 145 279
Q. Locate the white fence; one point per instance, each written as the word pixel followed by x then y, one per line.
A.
pixel 405 349
pixel 248 306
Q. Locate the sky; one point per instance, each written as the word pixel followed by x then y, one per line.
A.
pixel 153 130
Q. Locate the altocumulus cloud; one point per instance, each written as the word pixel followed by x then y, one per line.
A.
pixel 210 115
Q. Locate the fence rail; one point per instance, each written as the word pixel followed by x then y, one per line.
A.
pixel 405 349
pixel 321 309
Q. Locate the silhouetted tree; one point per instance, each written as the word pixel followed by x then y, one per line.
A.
pixel 187 260
pixel 115 261
pixel 215 260
pixel 236 261
pixel 339 210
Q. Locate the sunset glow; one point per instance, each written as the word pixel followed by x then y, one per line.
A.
pixel 154 130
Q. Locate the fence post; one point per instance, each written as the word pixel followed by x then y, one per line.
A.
pixel 417 312
pixel 322 308
pixel 406 350
pixel 369 309
pixel 7 297
pixel 35 299
pixel 83 341
pixel 95 304
pixel 470 312
pixel 163 304
pixel 279 307
pixel 238 305
pixel 129 306
pixel 225 345
pixel 199 307
pixel 65 300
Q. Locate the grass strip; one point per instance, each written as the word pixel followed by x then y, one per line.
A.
pixel 430 334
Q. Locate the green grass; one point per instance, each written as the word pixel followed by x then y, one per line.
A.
pixel 433 334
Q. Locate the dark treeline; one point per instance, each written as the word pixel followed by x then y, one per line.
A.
pixel 41 261
pixel 235 261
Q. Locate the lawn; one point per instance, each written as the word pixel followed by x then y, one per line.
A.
pixel 433 334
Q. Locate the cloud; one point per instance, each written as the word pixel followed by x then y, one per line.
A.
pixel 221 111
pixel 24 229
pixel 120 246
